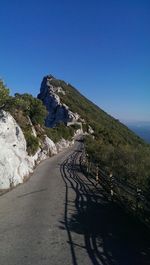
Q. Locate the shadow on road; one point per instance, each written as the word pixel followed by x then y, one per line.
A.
pixel 110 236
pixel 32 192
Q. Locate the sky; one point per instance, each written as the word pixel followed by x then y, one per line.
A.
pixel 102 47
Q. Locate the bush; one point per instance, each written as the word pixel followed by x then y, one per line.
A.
pixel 59 132
pixel 32 107
pixel 127 163
pixel 32 143
pixel 75 126
pixel 4 94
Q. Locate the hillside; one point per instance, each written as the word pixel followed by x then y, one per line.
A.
pixel 104 126
pixel 24 139
pixel 112 145
pixel 108 143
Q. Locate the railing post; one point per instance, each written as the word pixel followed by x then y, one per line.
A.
pixel 138 195
pixel 89 169
pixel 111 185
pixel 97 176
pixel 87 163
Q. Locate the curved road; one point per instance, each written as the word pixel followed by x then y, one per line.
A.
pixel 60 217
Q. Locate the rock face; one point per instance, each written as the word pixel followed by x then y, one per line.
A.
pixel 90 130
pixel 57 112
pixel 50 147
pixel 15 164
pixel 62 144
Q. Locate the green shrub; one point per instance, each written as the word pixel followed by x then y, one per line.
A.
pixel 4 94
pixel 127 163
pixel 114 146
pixel 75 126
pixel 59 132
pixel 32 107
pixel 32 143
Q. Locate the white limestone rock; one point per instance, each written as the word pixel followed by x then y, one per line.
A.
pixel 78 132
pixel 59 90
pixel 90 130
pixel 57 111
pixel 15 164
pixel 62 144
pixel 50 146
pixel 48 149
pixel 32 127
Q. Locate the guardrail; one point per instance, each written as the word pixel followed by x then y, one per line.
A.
pixel 130 197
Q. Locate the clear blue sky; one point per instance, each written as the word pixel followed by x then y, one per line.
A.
pixel 102 47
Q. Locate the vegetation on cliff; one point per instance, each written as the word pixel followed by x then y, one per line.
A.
pixel 28 110
pixel 112 145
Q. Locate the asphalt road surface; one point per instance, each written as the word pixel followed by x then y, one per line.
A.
pixel 60 217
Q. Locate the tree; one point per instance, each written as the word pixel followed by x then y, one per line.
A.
pixel 33 107
pixel 37 111
pixel 4 94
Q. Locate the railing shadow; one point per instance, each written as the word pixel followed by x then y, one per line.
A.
pixel 110 236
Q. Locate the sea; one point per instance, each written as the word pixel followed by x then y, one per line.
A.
pixel 142 129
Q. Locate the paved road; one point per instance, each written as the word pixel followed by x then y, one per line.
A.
pixel 60 217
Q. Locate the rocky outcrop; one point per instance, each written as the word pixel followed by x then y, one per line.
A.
pixel 57 111
pixel 15 163
pixel 90 130
pixel 50 147
pixel 62 144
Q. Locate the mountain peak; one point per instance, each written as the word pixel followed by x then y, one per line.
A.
pixel 58 112
pixel 49 77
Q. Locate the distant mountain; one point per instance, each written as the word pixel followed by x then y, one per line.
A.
pixel 142 129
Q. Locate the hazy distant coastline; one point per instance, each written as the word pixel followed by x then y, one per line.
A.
pixel 140 128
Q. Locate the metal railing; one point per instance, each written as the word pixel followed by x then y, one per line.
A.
pixel 130 197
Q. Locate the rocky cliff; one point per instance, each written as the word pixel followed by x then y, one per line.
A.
pixel 15 163
pixel 58 112
pixel 19 130
pixel 111 144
